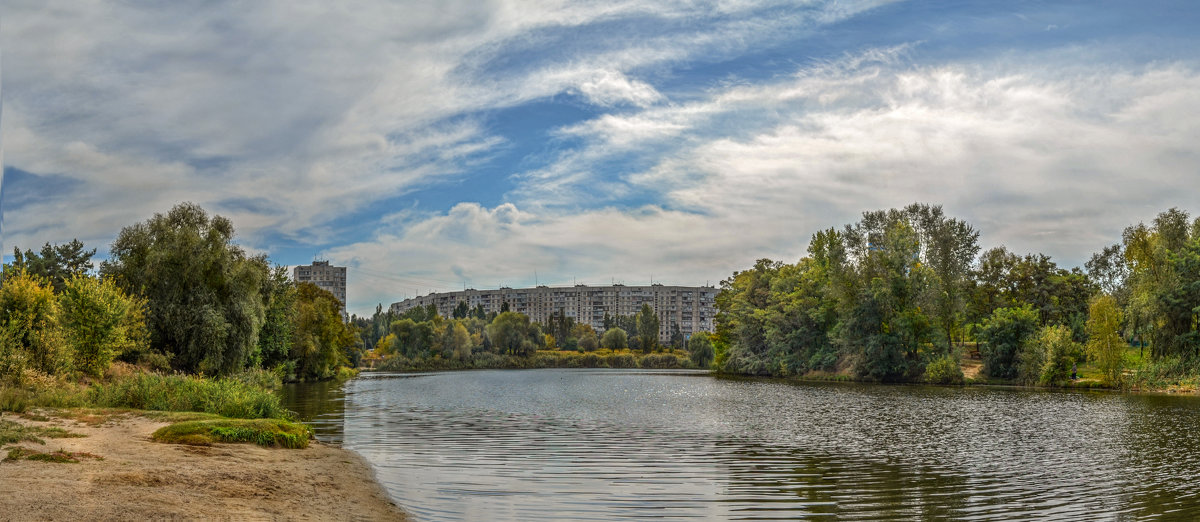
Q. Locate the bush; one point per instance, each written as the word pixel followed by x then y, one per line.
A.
pixel 944 370
pixel 100 322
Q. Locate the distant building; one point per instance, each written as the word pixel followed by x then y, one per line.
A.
pixel 320 273
pixel 690 307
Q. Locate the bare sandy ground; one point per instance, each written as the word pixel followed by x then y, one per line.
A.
pixel 139 479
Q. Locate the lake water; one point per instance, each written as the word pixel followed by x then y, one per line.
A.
pixel 605 444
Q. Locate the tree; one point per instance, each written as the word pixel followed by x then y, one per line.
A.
pixel 279 319
pixel 701 349
pixel 57 264
pixel 460 342
pixel 1003 335
pixel 203 293
pixel 412 339
pixel 588 342
pixel 677 339
pixel 100 322
pixel 462 310
pixel 614 339
pixel 320 336
pixel 510 334
pixel 647 328
pixel 29 317
pixel 1105 346
pixel 1047 357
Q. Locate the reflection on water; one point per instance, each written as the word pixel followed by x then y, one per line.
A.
pixel 603 444
pixel 321 405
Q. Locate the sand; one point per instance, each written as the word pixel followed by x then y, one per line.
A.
pixel 139 479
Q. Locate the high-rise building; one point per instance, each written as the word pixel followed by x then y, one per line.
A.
pixel 689 307
pixel 325 276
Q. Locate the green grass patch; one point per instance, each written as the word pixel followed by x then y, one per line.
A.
pixel 12 432
pixel 264 432
pixel 233 397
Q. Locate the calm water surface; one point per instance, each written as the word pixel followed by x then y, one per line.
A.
pixel 604 444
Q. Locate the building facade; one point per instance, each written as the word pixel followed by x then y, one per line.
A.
pixel 325 276
pixel 690 307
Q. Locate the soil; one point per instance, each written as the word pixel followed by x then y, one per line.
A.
pixel 135 478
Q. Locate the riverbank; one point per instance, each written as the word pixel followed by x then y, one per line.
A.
pixel 121 474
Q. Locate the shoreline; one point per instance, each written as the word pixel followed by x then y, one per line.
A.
pixel 135 478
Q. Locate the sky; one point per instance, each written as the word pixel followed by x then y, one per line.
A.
pixel 434 146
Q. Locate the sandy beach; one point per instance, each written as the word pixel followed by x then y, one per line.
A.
pixel 135 478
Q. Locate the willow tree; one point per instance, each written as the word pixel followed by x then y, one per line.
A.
pixel 203 293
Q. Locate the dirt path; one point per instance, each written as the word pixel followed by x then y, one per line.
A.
pixel 139 479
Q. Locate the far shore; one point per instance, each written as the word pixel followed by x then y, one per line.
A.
pixel 124 475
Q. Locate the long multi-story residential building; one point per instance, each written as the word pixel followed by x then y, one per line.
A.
pixel 320 273
pixel 689 307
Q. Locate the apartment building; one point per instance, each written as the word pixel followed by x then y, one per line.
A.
pixel 690 307
pixel 325 276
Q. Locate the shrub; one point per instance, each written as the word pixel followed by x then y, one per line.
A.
pixel 944 370
pixel 1046 359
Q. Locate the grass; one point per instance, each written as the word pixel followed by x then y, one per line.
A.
pixel 233 397
pixel 60 457
pixel 264 432
pixel 11 432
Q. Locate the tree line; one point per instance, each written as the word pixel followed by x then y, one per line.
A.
pixel 897 295
pixel 420 336
pixel 175 294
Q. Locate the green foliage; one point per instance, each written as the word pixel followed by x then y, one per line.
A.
pixel 100 322
pixel 1048 357
pixel 56 264
pixel 700 349
pixel 29 316
pixel 647 328
pixel 1105 346
pixel 944 370
pixel 204 293
pixel 279 320
pixel 614 339
pixel 228 397
pixel 1003 335
pixel 589 342
pixel 264 432
pixel 319 335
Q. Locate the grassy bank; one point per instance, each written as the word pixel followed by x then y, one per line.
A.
pixel 545 359
pixel 241 408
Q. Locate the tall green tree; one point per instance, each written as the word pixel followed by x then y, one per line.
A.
pixel 279 321
pixel 203 292
pixel 1105 346
pixel 57 264
pixel 647 328
pixel 320 337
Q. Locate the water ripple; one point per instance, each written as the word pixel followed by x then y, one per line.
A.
pixel 598 445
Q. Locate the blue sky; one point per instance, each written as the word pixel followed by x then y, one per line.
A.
pixel 431 146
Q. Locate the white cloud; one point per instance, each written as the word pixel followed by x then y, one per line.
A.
pixel 317 108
